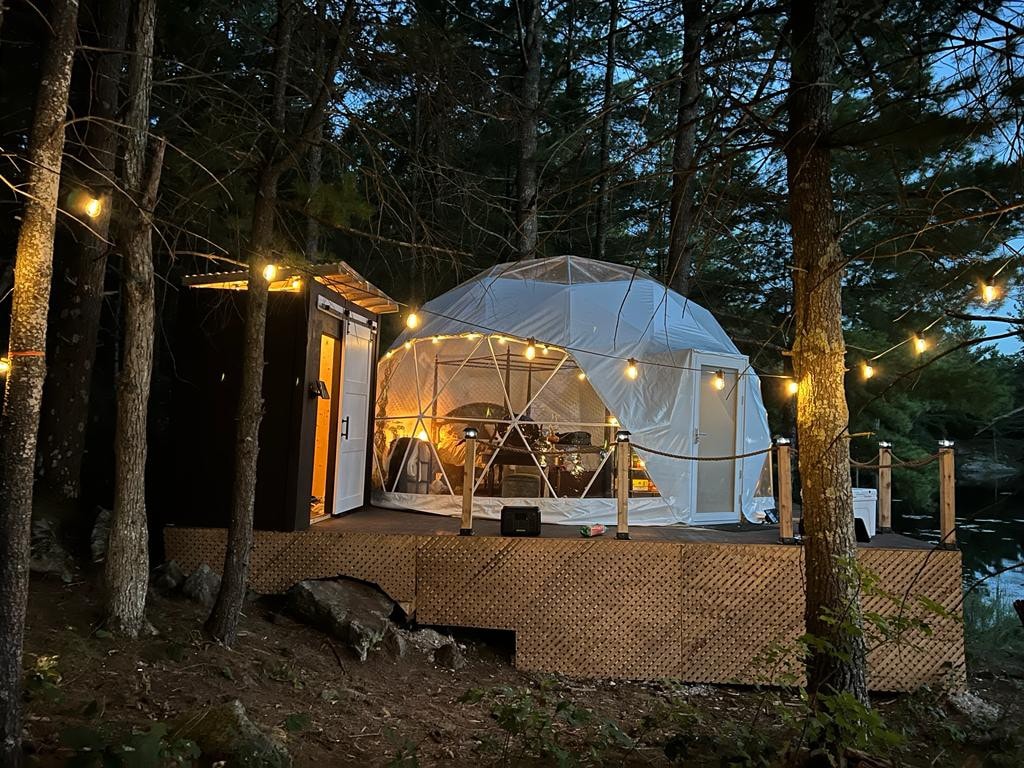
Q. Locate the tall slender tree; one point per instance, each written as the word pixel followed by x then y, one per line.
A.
pixel 19 421
pixel 684 152
pixel 78 289
pixel 604 149
pixel 277 157
pixel 819 360
pixel 531 40
pixel 127 561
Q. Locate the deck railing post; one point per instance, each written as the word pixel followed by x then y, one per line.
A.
pixel 622 460
pixel 785 471
pixel 885 487
pixel 947 495
pixel 468 482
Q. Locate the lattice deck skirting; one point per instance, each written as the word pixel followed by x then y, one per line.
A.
pixel 696 612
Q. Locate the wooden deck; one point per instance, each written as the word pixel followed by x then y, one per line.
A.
pixel 392 521
pixel 697 605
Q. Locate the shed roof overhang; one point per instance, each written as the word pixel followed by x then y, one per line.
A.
pixel 338 277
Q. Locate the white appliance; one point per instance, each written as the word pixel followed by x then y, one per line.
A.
pixel 865 508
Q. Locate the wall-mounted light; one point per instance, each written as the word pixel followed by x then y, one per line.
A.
pixel 470 433
pixel 622 436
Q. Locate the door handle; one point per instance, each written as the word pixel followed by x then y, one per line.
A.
pixel 344 428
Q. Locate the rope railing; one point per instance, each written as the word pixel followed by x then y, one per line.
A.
pixel 784 452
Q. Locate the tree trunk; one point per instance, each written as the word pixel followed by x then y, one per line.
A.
pixel 603 197
pixel 833 607
pixel 78 290
pixel 227 610
pixel 314 163
pixel 19 423
pixel 531 39
pixel 684 152
pixel 127 563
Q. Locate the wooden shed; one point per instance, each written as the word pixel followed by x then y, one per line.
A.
pixel 318 384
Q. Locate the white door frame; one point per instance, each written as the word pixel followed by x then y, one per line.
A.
pixel 740 364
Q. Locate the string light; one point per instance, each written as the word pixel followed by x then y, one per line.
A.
pixel 631 370
pixel 269 272
pixel 5 366
pixel 867 370
pixel 502 339
pixel 93 207
pixel 718 382
pixel 792 387
pixel 920 344
pixel 531 349
pixel 412 321
pixel 435 340
pixel 389 353
pixel 408 345
pixel 296 283
pixel 989 292
pixel 423 436
pixel 581 376
pixel 543 349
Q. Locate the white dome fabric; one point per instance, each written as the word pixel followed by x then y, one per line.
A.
pixel 595 315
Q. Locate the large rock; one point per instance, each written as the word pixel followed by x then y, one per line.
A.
pixel 225 733
pixel 167 578
pixel 202 585
pixel 355 613
pixel 981 713
pixel 100 536
pixel 48 554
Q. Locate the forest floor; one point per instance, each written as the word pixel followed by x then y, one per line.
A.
pixel 331 710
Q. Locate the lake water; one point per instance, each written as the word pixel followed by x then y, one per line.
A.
pixel 990 532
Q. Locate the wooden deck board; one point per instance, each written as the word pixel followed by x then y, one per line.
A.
pixel 380 520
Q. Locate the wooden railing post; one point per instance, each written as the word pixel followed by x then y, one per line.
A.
pixel 947 495
pixel 785 472
pixel 468 481
pixel 622 460
pixel 885 487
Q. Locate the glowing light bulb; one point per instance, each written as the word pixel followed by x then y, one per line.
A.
pixel 501 339
pixel 792 387
pixel 543 349
pixel 423 436
pixel 989 292
pixel 408 345
pixel 5 366
pixel 435 340
pixel 631 370
pixel 389 353
pixel 93 207
pixel 269 272
pixel 581 376
pixel 612 421
pixel 531 350
pixel 412 321
pixel 296 283
pixel 718 381
pixel 473 336
pixel 920 344
pixel 867 370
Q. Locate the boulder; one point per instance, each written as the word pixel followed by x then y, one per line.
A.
pixel 167 578
pixel 202 585
pixel 225 733
pixel 395 643
pixel 356 613
pixel 48 554
pixel 428 640
pixel 100 536
pixel 979 712
pixel 449 656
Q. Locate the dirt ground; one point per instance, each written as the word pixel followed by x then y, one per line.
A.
pixel 332 710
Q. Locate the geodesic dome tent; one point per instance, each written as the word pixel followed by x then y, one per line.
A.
pixel 548 359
